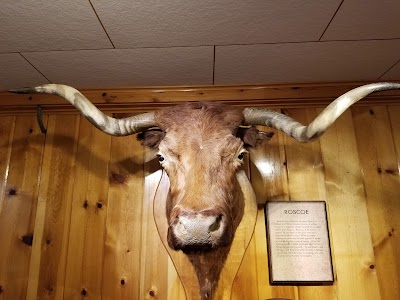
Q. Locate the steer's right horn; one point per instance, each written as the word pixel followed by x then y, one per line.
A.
pixel 112 126
pixel 266 117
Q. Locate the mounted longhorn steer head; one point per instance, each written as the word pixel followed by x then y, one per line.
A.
pixel 201 147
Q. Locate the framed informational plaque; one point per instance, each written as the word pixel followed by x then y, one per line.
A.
pixel 298 243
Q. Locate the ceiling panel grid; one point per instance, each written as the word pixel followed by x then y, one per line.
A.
pixel 124 43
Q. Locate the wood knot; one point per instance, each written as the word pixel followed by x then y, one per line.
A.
pixel 99 205
pixel 27 239
pixel 12 192
pixel 1 289
pixel 122 281
pixel 49 290
pixel 84 292
pixel 108 99
pixel 118 178
pixel 152 293
pixel 371 112
pixel 392 172
pixel 85 204
pixel 372 266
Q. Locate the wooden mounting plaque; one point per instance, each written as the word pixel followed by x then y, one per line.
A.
pixel 240 243
pixel 298 243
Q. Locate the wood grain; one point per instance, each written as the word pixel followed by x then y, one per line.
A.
pixel 380 163
pixel 140 99
pixel 113 251
pixel 17 218
pixel 89 208
pixel 6 135
pixel 347 212
pixel 245 283
pixel 306 181
pixel 50 244
pixel 269 181
pixel 156 267
pixel 122 251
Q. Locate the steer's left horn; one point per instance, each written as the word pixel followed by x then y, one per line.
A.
pixel 266 117
pixel 113 126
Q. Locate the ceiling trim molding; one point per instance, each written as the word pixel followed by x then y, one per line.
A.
pixel 141 99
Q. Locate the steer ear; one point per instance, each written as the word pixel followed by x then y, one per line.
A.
pixel 151 138
pixel 252 137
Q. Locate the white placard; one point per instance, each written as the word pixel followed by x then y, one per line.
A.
pixel 298 243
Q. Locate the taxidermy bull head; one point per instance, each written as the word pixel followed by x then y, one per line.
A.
pixel 201 146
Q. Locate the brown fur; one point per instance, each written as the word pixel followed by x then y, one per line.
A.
pixel 252 137
pixel 200 144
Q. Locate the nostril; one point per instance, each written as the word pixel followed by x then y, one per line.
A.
pixel 215 226
pixel 179 227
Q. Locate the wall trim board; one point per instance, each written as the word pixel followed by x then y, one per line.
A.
pixel 140 99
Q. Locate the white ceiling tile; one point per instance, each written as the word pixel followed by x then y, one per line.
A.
pixel 50 25
pixel 127 67
pixel 365 19
pixel 393 73
pixel 305 62
pixel 147 23
pixel 15 72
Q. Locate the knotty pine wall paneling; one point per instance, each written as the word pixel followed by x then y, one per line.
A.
pixel 76 209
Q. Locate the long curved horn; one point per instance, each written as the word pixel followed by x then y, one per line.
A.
pixel 112 126
pixel 304 134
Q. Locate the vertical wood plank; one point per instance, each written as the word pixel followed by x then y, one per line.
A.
pixel 331 171
pixel 89 207
pixel 122 252
pixel 306 182
pixel 268 170
pixel 394 113
pixel 19 209
pixel 304 162
pixel 260 240
pixel 7 125
pixel 6 136
pixel 50 244
pixel 380 163
pixel 269 181
pixel 245 284
pixel 175 287
pixel 350 233
pixel 154 260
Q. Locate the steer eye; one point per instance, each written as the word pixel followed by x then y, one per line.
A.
pixel 160 158
pixel 241 155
